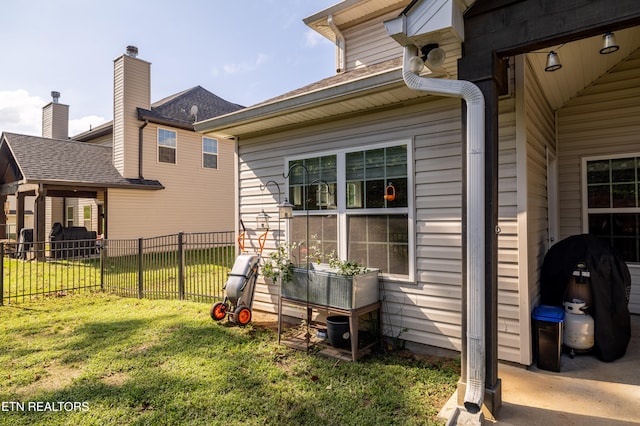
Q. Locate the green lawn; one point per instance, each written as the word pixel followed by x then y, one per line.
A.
pixel 99 359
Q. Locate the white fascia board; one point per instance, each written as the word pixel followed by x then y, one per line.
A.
pixel 224 124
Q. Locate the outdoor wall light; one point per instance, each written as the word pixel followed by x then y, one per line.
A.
pixel 434 55
pixel 431 55
pixel 608 44
pixel 553 62
pixel 416 64
pixel 285 210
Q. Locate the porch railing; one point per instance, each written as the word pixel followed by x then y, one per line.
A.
pixel 191 266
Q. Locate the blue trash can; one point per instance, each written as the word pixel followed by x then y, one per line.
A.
pixel 547 336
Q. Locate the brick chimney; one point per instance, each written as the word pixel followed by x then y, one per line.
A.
pixel 131 90
pixel 55 119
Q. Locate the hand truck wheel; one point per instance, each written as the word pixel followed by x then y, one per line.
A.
pixel 218 311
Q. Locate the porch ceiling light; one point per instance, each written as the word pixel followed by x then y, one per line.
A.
pixel 609 44
pixel 553 62
pixel 285 210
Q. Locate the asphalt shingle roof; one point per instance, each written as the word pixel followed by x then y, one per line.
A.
pixel 177 108
pixel 46 160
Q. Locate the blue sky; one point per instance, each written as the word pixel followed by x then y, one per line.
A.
pixel 244 51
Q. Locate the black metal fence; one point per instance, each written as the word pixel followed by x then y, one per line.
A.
pixel 30 270
pixel 191 266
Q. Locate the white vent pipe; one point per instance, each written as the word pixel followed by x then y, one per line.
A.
pixel 474 99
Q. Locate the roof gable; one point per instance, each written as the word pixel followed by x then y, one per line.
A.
pixel 9 168
pixel 189 106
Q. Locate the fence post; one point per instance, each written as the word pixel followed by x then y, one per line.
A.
pixel 181 265
pixel 140 271
pixel 102 249
pixel 1 274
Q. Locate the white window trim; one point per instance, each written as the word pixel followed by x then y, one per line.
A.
pixel 585 200
pixel 342 212
pixel 158 145
pixel 209 153
pixel 585 193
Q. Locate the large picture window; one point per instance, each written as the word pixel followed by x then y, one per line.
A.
pixel 358 204
pixel 612 204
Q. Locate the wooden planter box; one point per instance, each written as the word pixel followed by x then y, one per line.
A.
pixel 328 288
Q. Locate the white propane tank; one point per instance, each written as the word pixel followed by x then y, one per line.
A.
pixel 578 326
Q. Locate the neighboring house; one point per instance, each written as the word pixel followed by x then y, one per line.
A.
pixel 146 173
pixel 363 129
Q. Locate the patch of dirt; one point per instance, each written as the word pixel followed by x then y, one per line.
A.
pixel 265 320
pixel 56 377
pixel 115 379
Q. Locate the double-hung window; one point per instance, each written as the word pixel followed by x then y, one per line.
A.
pixel 612 207
pixel 167 146
pixel 312 191
pixel 209 153
pixel 358 203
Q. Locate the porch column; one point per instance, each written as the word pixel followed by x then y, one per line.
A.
pixel 3 219
pixel 491 79
pixel 19 212
pixel 39 224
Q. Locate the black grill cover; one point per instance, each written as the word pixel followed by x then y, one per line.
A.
pixel 610 288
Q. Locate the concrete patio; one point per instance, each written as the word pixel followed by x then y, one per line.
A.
pixel 585 392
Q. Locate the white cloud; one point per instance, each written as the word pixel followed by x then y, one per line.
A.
pixel 20 113
pixel 83 124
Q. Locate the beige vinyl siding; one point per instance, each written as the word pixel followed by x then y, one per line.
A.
pixel 132 90
pixel 602 120
pixel 369 43
pixel 428 309
pixel 509 283
pixel 195 199
pixel 55 121
pixel 106 140
pixel 54 212
pixel 526 132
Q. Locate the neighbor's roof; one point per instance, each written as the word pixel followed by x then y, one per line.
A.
pixel 31 159
pixel 174 110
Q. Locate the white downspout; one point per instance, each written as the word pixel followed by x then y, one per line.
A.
pixel 474 99
pixel 341 65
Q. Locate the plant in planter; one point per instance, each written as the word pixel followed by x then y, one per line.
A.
pixel 278 266
pixel 346 268
pixel 340 283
